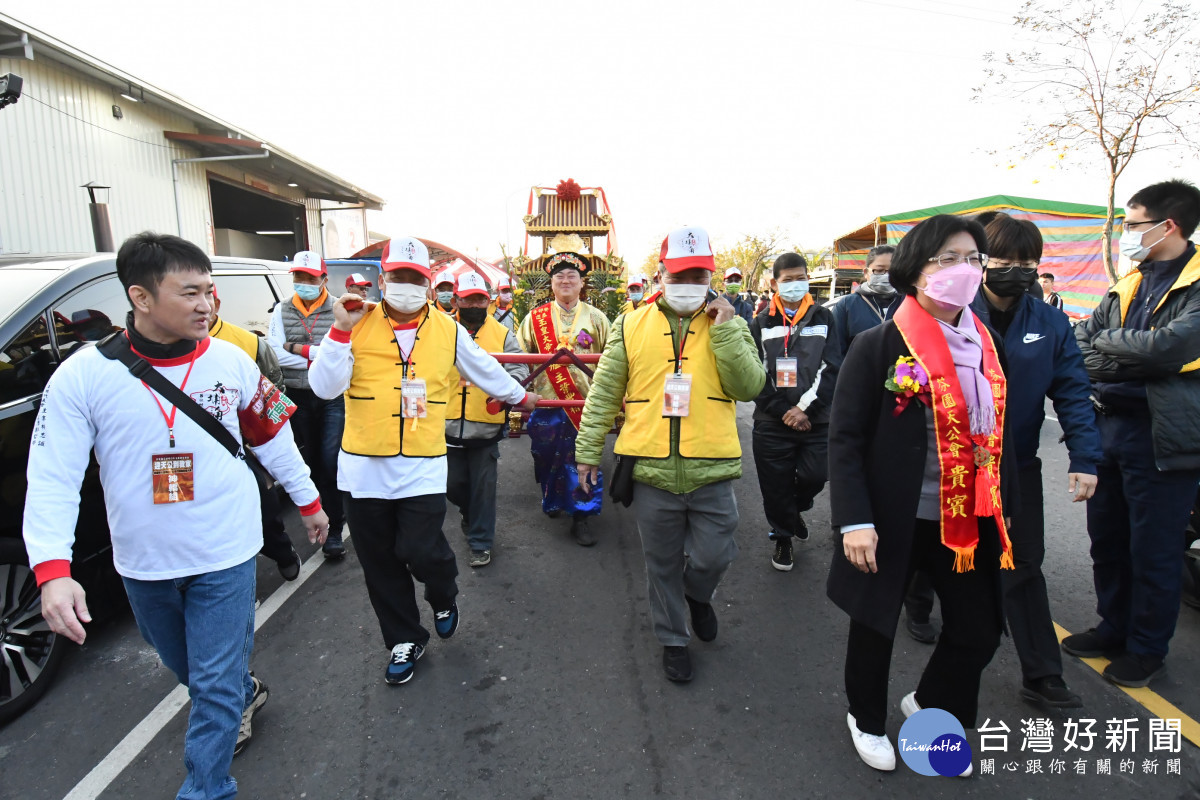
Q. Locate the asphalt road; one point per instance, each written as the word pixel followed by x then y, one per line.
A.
pixel 552 687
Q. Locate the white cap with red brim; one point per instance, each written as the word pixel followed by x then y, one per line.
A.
pixel 406 252
pixel 309 262
pixel 687 248
pixel 470 283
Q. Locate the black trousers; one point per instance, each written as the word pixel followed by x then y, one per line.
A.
pixel 793 467
pixel 971 628
pixel 317 426
pixel 471 485
pixel 1026 599
pixel 396 541
pixel 277 545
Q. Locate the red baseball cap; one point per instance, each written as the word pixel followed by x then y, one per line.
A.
pixel 406 252
pixel 357 279
pixel 687 248
pixel 309 262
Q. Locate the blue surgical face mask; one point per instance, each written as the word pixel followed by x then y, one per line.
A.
pixel 445 297
pixel 306 291
pixel 793 291
pixel 636 296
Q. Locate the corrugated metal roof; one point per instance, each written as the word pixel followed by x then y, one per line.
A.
pixel 26 40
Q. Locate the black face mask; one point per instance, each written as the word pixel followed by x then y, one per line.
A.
pixel 1013 283
pixel 472 317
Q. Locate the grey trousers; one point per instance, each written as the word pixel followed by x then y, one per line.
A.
pixel 688 540
pixel 471 485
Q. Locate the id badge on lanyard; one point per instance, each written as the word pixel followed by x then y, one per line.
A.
pixel 172 477
pixel 412 398
pixel 677 395
pixel 785 373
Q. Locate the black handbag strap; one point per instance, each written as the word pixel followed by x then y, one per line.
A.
pixel 116 346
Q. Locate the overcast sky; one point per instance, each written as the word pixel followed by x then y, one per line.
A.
pixel 809 117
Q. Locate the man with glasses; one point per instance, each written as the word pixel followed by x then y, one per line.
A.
pixel 871 303
pixel 1142 350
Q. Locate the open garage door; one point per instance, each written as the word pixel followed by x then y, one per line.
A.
pixel 253 224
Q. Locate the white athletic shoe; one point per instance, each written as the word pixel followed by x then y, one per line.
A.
pixel 910 706
pixel 875 751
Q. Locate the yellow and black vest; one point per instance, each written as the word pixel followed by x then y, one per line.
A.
pixel 469 400
pixel 374 426
pixel 242 338
pixel 710 428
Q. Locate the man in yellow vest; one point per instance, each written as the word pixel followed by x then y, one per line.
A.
pixel 565 321
pixel 398 364
pixel 473 432
pixel 634 291
pixel 679 367
pixel 277 545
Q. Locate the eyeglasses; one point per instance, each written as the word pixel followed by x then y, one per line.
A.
pixel 1131 225
pixel 977 260
pixel 999 267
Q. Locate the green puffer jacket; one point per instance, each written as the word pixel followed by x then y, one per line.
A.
pixel 742 378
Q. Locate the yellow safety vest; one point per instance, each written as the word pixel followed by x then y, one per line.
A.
pixel 710 428
pixel 244 339
pixel 470 399
pixel 374 426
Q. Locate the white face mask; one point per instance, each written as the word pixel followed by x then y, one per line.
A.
pixel 405 297
pixel 685 297
pixel 1131 244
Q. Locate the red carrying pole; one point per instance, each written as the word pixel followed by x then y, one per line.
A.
pixel 542 358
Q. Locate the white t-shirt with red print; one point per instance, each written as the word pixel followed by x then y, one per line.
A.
pixel 92 401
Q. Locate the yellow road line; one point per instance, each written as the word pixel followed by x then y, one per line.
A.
pixel 1153 702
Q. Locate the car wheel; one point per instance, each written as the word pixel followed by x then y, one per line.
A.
pixel 30 653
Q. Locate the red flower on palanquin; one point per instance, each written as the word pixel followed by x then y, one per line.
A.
pixel 567 190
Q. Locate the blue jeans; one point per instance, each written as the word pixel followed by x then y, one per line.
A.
pixel 203 629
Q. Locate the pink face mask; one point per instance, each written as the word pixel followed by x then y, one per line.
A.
pixel 954 287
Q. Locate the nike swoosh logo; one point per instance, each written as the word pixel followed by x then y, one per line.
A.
pixel 1030 338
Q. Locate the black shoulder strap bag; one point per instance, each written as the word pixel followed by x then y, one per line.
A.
pixel 116 346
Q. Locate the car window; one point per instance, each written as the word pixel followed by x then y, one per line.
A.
pixel 26 363
pixel 90 314
pixel 246 300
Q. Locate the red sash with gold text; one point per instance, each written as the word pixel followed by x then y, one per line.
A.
pixel 542 323
pixel 970 464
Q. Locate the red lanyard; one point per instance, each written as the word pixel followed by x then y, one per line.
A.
pixel 170 420
pixel 310 328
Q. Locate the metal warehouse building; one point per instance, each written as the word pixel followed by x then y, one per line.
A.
pixel 168 166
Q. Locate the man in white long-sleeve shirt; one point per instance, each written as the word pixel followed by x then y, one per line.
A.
pixel 396 364
pixel 184 513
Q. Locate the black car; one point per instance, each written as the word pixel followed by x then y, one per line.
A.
pixel 51 305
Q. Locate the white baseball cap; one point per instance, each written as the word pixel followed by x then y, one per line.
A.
pixel 470 283
pixel 731 272
pixel 308 261
pixel 445 276
pixel 503 283
pixel 406 252
pixel 687 248
pixel 357 279
pixel 636 280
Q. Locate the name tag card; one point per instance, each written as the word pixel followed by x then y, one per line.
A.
pixel 412 398
pixel 677 395
pixel 785 373
pixel 172 478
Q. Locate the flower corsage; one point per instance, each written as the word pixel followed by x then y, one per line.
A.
pixel 907 379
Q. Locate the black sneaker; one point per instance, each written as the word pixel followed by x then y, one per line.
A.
pixel 290 568
pixel 1134 670
pixel 480 558
pixel 446 622
pixel 704 619
pixel 402 662
pixel 677 663
pixel 582 533
pixel 261 693
pixel 1091 644
pixel 1051 692
pixel 333 548
pixel 924 632
pixel 782 560
pixel 801 528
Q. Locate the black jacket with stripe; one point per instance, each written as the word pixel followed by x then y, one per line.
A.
pixel 812 343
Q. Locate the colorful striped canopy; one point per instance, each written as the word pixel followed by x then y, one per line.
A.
pixel 1073 236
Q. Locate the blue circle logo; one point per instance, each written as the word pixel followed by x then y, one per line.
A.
pixel 933 742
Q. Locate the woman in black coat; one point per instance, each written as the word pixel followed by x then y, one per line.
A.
pixel 918 478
